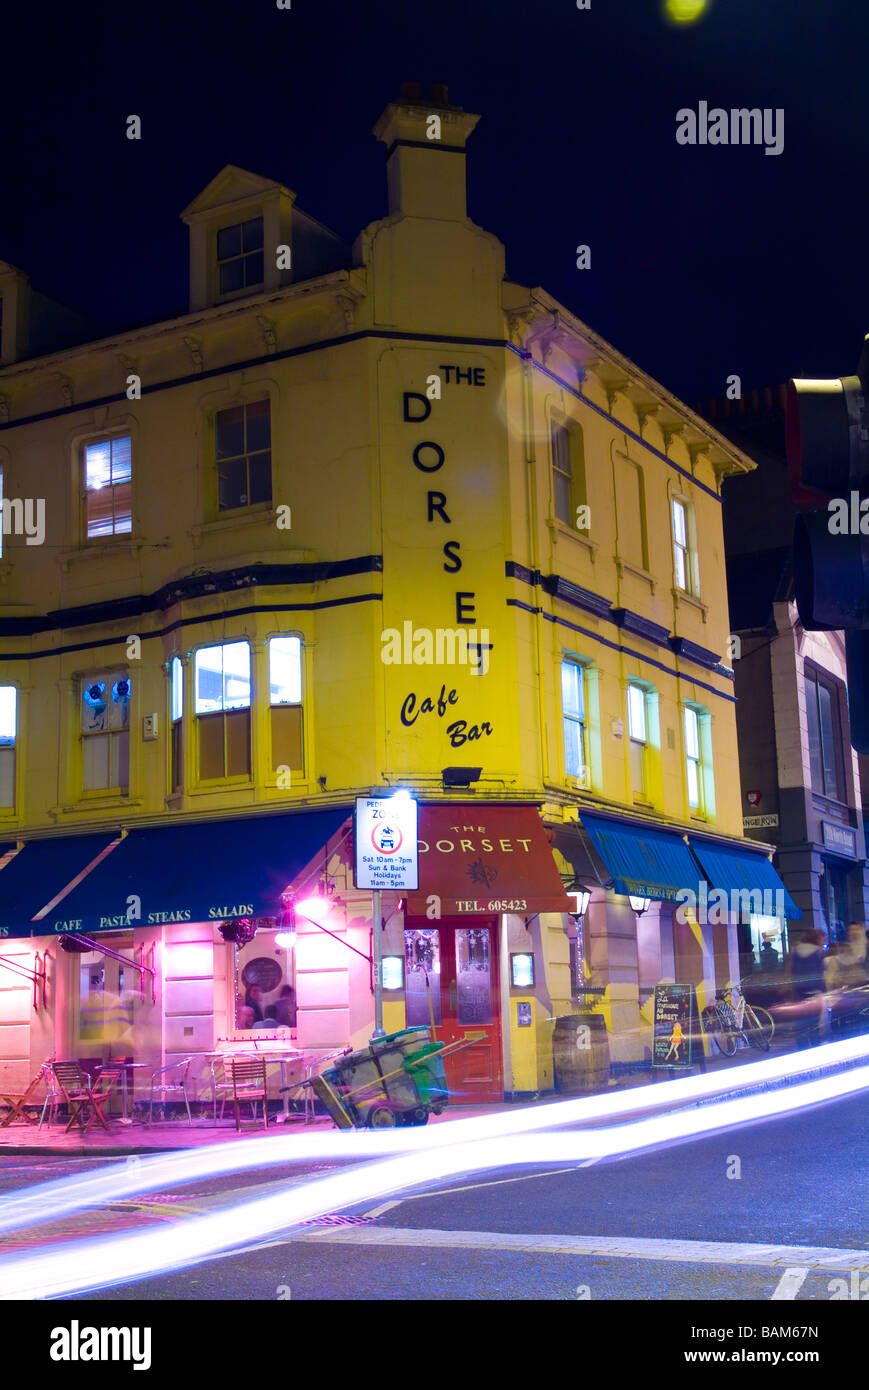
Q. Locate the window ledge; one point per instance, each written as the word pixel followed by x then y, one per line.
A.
pixel 109 548
pixel 222 784
pixel 256 515
pixel 637 570
pixel 96 801
pixel 689 600
pixel 561 528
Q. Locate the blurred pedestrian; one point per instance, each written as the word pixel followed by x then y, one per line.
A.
pixel 807 972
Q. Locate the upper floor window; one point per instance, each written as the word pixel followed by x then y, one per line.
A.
pixel 105 732
pixel 222 694
pixel 568 473
pixel 825 735
pixel 108 486
pixel 176 771
pixel 638 737
pixel 8 734
pixel 573 708
pixel 697 731
pixel 684 550
pixel 240 256
pixel 285 701
pixel 243 454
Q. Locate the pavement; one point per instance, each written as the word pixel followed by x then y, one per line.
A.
pixel 140 1138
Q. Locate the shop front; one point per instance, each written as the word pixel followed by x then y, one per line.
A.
pixel 489 894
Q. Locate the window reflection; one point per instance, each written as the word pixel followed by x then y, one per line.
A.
pixel 265 996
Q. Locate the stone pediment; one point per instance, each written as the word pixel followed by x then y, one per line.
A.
pixel 233 185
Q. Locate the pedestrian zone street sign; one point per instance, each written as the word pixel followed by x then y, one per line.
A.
pixel 386 849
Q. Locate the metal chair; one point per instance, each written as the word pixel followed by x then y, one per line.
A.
pixel 53 1096
pixel 168 1087
pixel 248 1076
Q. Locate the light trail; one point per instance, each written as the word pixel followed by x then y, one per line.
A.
pixel 52 1200
pixel 63 1197
pixel 90 1265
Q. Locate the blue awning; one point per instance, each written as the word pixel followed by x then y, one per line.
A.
pixel 644 861
pixel 39 872
pixel 208 871
pixel 747 876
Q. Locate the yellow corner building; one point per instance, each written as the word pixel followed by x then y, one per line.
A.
pixel 364 518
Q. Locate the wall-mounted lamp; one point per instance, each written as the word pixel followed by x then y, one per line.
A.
pixel 393 972
pixel 639 905
pixel 460 776
pixel 582 897
pixel 521 970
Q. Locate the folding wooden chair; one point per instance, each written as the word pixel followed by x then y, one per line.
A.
pixel 74 1087
pixel 248 1077
pixel 101 1091
pixel 17 1100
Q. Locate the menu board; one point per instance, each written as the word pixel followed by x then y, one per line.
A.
pixel 675 1013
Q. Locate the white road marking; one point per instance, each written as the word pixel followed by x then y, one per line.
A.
pixel 790 1284
pixel 617 1247
pixel 469 1187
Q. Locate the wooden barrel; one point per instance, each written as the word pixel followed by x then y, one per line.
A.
pixel 580 1053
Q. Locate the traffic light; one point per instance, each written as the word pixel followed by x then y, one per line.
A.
pixel 827 440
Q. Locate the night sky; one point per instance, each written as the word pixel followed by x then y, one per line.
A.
pixel 705 261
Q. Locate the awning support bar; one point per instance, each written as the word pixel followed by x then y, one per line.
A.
pixel 143 969
pixel 38 976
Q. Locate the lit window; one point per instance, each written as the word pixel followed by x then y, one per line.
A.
pixel 8 733
pixel 285 699
pixel 637 738
pixel 681 551
pixel 693 763
pixel 177 701
pixel 573 708
pixel 108 484
pixel 243 455
pixel 105 732
pixel 240 255
pixel 222 693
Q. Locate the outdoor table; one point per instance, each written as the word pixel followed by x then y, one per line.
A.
pixel 127 1066
pixel 271 1054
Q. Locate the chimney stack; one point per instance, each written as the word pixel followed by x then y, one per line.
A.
pixel 425 142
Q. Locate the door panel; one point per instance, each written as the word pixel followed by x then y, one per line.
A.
pixel 461 965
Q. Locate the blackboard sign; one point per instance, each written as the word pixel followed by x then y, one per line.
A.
pixel 675 1013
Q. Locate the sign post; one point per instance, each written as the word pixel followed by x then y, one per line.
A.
pixel 386 857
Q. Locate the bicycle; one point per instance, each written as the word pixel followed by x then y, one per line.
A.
pixel 730 1020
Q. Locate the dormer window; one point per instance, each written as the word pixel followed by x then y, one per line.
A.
pixel 240 256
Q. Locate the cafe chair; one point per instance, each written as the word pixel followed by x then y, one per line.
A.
pixel 74 1089
pixel 101 1091
pixel 53 1096
pixel 248 1078
pixel 17 1102
pixel 168 1083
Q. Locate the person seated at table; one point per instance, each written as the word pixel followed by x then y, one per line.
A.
pixel 269 1020
pixel 245 1016
pixel 285 1009
pixel 254 1000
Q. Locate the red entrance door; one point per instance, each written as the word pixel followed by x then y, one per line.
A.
pixel 452 974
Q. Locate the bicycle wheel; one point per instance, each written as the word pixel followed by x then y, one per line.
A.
pixel 714 1028
pixel 759 1027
